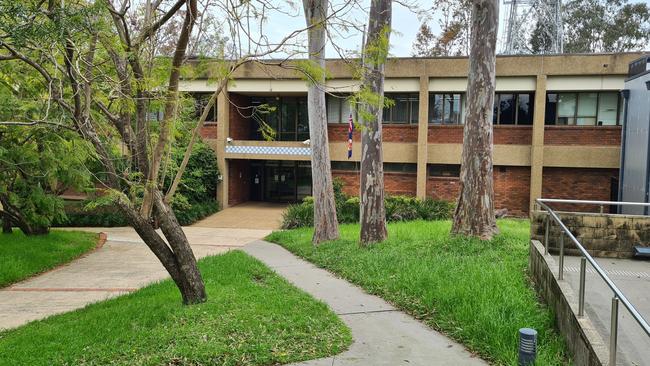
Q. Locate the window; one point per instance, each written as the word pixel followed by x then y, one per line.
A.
pixel 404 110
pixel 443 170
pixel 513 109
pixel 287 116
pixel 355 166
pixel 400 167
pixel 338 108
pixel 202 101
pixel 583 109
pixel 445 108
pixel 352 166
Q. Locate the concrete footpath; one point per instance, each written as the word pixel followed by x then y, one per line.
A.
pixel 124 264
pixel 382 335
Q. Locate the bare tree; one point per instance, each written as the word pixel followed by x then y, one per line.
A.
pixel 474 215
pixel 373 212
pixel 326 226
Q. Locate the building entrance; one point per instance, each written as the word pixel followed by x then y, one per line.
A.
pixel 280 181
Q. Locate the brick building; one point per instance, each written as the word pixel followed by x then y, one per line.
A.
pixel 557 129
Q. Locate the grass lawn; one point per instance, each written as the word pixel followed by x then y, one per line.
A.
pixel 477 293
pixel 252 317
pixel 24 256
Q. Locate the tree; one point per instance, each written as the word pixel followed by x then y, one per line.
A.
pixel 474 214
pixel 36 166
pixel 94 73
pixel 453 39
pixel 326 225
pixel 541 41
pixel 605 26
pixel 375 52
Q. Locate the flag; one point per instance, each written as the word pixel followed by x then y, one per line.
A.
pixel 350 130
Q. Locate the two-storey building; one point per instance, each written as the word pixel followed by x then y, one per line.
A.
pixel 557 129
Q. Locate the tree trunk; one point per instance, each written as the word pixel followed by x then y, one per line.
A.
pixel 177 256
pixel 373 212
pixel 326 226
pixel 474 215
pixel 6 225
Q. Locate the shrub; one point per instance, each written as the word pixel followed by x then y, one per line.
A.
pixel 398 208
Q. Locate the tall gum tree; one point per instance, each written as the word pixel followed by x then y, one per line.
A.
pixel 372 210
pixel 326 226
pixel 474 214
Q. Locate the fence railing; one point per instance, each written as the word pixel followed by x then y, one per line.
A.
pixel 618 296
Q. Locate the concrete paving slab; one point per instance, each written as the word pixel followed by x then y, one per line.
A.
pixel 382 335
pixel 251 215
pixel 633 278
pixel 120 266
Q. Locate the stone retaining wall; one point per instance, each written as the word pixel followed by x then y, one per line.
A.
pixel 585 344
pixel 603 235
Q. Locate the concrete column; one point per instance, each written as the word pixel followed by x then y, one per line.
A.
pixel 423 129
pixel 223 131
pixel 537 146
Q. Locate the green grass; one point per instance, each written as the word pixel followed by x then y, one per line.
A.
pixel 252 317
pixel 478 293
pixel 23 256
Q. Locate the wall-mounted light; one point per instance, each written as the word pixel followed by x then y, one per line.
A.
pixel 229 140
pixel 219 178
pixel 307 142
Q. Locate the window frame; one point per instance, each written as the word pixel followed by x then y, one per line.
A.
pixel 201 99
pixel 576 108
pixel 412 98
pixel 515 94
pixel 442 94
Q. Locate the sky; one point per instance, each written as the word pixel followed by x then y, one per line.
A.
pixel 405 23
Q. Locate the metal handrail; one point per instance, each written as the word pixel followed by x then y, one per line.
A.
pixel 618 294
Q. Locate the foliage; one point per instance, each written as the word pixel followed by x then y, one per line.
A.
pixel 24 256
pixel 252 317
pixel 474 291
pixel 453 40
pixel 199 182
pixel 398 208
pixel 605 26
pixel 36 166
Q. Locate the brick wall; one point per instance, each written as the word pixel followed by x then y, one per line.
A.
pixel 339 132
pixel 390 133
pixel 394 183
pixel 350 181
pixel 240 127
pixel 578 184
pixel 402 184
pixel 511 189
pixel 238 181
pixel 582 135
pixel 209 131
pixel 443 188
pixel 503 135
pixel 445 134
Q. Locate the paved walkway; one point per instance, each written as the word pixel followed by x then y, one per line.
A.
pixel 382 335
pixel 633 278
pixel 122 265
pixel 250 215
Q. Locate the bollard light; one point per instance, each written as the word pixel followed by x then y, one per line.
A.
pixel 527 346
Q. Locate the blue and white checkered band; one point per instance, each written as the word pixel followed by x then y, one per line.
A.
pixel 268 150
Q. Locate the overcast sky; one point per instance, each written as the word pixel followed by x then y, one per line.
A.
pixel 406 23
